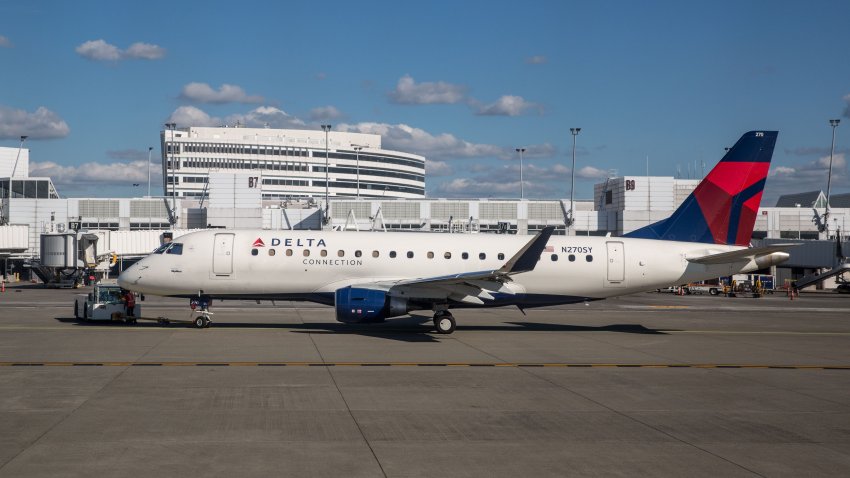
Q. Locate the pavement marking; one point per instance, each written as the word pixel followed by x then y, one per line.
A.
pixel 426 364
pixel 669 306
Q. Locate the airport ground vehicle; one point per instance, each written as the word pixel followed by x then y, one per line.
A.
pixel 703 289
pixel 102 303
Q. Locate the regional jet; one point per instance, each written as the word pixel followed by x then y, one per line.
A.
pixel 372 276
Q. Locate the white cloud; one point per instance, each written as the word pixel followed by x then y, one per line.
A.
pixel 810 176
pixel 93 172
pixel 4 42
pixel 259 117
pixel 41 124
pixel 408 92
pixel 465 187
pixel 144 51
pixel 325 113
pixel 415 140
pixel 536 60
pixel 507 105
pixel 266 116
pixel 191 116
pixel 589 172
pixel 204 93
pixel 100 50
pixel 437 168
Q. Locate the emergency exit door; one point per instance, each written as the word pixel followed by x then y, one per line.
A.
pixel 616 262
pixel 223 255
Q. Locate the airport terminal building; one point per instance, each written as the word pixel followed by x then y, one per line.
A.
pixel 288 163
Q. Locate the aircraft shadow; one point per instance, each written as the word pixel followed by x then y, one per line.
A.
pixel 414 328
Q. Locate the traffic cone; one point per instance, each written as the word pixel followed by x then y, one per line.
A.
pixel 3 286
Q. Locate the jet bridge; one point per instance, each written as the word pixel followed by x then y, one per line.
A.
pixel 66 257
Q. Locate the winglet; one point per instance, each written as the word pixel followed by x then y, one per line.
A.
pixel 526 259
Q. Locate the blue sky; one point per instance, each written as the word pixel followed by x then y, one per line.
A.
pixel 462 83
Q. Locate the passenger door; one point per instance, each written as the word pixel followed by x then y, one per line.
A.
pixel 616 264
pixel 223 256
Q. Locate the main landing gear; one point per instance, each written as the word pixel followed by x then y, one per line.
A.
pixel 444 322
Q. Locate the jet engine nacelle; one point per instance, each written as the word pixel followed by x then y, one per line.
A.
pixel 356 305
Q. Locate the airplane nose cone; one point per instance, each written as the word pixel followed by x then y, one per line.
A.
pixel 129 279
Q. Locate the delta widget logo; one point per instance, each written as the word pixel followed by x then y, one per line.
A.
pixel 259 243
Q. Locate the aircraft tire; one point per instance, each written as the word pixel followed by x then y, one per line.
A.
pixel 201 322
pixel 76 310
pixel 444 323
pixel 86 311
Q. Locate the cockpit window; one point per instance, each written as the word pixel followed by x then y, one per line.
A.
pixel 176 248
pixel 162 248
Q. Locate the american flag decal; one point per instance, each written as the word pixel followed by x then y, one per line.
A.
pixel 549 249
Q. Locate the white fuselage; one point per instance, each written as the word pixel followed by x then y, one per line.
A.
pixel 311 265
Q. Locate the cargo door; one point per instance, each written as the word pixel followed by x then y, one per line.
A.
pixel 616 273
pixel 223 255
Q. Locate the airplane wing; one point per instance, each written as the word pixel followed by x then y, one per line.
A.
pixel 741 255
pixel 470 287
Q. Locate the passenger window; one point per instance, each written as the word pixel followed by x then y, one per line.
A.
pixel 306 252
pixel 324 253
pixel 410 254
pixel 392 254
pixel 289 252
pixel 572 257
pixel 501 256
pixel 430 255
pixel 464 256
pixel 375 253
pixel 340 253
pixel 482 256
pixel 357 253
pixel 447 255
pixel 271 252
pixel 254 252
pixel 554 257
pixel 589 258
pixel 176 248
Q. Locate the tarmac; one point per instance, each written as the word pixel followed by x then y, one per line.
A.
pixel 646 385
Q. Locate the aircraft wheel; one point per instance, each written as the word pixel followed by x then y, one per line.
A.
pixel 86 311
pixel 444 323
pixel 201 322
pixel 76 310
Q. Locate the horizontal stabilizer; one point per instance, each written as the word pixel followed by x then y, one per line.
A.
pixel 740 255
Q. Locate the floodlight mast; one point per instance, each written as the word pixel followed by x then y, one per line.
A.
pixel 571 218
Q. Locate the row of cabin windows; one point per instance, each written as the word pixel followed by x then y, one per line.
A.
pixel 448 255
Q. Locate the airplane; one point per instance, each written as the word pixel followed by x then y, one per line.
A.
pixel 372 276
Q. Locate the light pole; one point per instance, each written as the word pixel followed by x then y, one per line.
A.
pixel 169 158
pixel 571 220
pixel 834 124
pixel 799 233
pixel 326 128
pixel 357 149
pixel 521 181
pixel 20 148
pixel 150 150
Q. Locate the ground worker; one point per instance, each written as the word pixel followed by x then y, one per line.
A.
pixel 130 303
